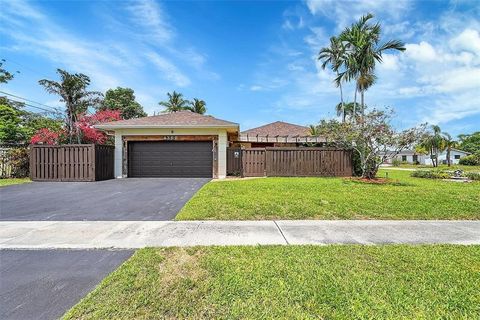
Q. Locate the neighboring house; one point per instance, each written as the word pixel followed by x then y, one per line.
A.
pixel 177 144
pixel 455 156
pixel 276 134
pixel 412 157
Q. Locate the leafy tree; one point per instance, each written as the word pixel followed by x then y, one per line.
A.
pixel 175 102
pixel 86 125
pixel 372 139
pixel 363 50
pixel 10 128
pixel 32 122
pixel 470 142
pixel 5 76
pixel 122 99
pixel 334 55
pixel 72 88
pixel 313 130
pixel 198 106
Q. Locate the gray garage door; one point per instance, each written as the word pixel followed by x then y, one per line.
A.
pixel 170 159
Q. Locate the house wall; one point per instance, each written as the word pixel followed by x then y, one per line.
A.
pixel 222 144
pixel 442 157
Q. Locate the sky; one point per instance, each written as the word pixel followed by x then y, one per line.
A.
pixel 252 62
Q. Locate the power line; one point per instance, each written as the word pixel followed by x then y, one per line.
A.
pixel 32 101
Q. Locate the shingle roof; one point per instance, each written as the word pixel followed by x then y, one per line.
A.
pixel 174 119
pixel 279 128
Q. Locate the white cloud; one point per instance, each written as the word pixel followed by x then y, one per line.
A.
pixel 149 14
pixel 468 40
pixel 421 52
pixel 168 70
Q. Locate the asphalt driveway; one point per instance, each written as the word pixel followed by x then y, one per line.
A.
pixel 119 199
pixel 44 284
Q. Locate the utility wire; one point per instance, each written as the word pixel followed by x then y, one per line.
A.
pixel 18 97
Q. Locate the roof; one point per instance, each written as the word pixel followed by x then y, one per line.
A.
pixel 179 119
pixel 279 128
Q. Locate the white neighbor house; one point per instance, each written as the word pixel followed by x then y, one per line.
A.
pixel 412 157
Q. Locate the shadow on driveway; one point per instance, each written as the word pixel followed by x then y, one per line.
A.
pixel 44 284
pixel 119 199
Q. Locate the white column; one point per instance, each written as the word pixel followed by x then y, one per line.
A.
pixel 222 155
pixel 118 154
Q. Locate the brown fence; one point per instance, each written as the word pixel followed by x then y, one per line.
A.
pixel 253 162
pixel 298 162
pixel 234 161
pixel 291 162
pixel 75 162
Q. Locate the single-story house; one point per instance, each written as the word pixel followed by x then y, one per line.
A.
pixel 413 157
pixel 276 134
pixel 177 144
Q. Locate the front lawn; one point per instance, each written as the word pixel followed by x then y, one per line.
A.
pixel 291 282
pixel 453 167
pixel 334 198
pixel 8 182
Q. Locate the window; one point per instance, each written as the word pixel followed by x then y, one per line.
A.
pixel 404 158
pixel 457 156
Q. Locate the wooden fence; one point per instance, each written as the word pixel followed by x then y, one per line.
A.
pixel 74 162
pixel 292 162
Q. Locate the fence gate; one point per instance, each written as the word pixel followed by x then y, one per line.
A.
pixel 253 162
pixel 234 161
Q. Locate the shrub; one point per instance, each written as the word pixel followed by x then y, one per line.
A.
pixel 19 162
pixel 473 176
pixel 471 160
pixel 396 162
pixel 430 174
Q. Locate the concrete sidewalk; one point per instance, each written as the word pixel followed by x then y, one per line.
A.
pixel 138 234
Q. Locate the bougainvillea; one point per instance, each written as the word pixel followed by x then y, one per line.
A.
pixel 46 136
pixel 86 125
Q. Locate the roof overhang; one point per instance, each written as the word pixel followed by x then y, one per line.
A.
pixel 231 128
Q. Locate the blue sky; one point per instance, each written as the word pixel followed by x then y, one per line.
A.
pixel 252 62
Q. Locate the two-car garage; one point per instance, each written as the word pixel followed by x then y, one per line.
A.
pixel 168 159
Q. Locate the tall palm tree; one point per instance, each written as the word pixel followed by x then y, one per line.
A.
pixel 175 102
pixel 334 56
pixel 448 143
pixel 198 106
pixel 434 143
pixel 363 50
pixel 313 130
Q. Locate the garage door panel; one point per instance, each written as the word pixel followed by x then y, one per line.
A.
pixel 170 159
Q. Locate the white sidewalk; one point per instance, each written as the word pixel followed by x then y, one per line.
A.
pixel 138 234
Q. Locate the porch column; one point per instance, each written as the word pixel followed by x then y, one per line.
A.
pixel 222 155
pixel 118 154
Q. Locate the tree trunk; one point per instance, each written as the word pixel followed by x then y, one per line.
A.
pixel 448 156
pixel 355 102
pixel 341 101
pixel 362 103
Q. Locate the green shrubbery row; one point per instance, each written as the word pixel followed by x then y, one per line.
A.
pixel 471 160
pixel 442 174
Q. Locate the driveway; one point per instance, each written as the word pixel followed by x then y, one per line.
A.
pixel 119 199
pixel 44 284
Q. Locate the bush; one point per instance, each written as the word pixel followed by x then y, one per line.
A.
pixel 473 176
pixel 471 160
pixel 430 174
pixel 396 162
pixel 19 162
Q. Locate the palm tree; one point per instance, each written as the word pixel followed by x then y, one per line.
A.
pixel 348 110
pixel 362 50
pixel 448 143
pixel 434 143
pixel 334 56
pixel 175 102
pixel 72 88
pixel 313 130
pixel 198 106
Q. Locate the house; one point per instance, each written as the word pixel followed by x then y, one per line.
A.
pixel 455 156
pixel 276 134
pixel 412 157
pixel 177 144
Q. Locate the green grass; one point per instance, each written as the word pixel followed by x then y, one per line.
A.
pixel 334 198
pixel 291 282
pixel 8 182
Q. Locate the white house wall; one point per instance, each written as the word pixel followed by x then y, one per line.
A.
pixel 220 132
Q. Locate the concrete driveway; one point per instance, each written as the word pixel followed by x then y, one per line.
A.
pixel 119 199
pixel 44 284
